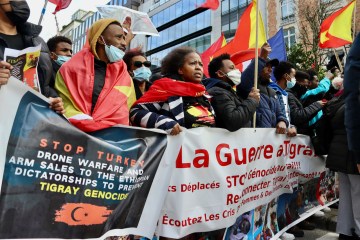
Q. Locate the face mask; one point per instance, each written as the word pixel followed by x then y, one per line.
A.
pixel 142 74
pixel 20 12
pixel 114 54
pixel 234 76
pixel 62 59
pixel 291 83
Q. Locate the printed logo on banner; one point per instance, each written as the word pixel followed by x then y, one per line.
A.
pixel 62 183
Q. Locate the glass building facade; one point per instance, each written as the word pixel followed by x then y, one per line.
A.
pixel 181 24
pixel 79 33
pixel 231 11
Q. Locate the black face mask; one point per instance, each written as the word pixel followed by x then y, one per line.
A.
pixel 20 12
pixel 299 89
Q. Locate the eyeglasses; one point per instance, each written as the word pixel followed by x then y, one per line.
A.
pixel 139 64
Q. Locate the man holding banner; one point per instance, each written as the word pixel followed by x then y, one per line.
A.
pixel 232 113
pixel 269 113
pixel 18 34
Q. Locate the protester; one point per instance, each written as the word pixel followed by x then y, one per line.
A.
pixel 139 69
pixel 269 113
pixel 338 84
pixel 177 100
pixel 314 80
pixel 332 91
pixel 335 71
pixel 340 159
pixel 285 77
pixel 300 115
pixel 95 85
pixel 232 112
pixel 60 48
pixel 316 92
pixel 18 34
pixel 350 183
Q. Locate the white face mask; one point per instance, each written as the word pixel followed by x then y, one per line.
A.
pixel 291 83
pixel 114 54
pixel 234 76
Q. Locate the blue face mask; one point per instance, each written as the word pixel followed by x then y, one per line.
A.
pixel 62 59
pixel 291 83
pixel 142 74
pixel 114 54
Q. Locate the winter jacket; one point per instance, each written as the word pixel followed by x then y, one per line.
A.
pixel 30 33
pixel 279 92
pixel 300 115
pixel 269 112
pixel 231 112
pixel 247 78
pixel 314 95
pixel 352 101
pixel 339 157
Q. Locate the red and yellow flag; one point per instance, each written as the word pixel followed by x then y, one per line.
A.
pixel 245 35
pixel 207 55
pixel 335 31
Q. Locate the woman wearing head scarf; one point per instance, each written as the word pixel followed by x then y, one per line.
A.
pixel 95 86
pixel 177 100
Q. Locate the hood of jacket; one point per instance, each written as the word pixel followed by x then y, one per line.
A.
pixel 29 29
pixel 211 82
pixel 277 88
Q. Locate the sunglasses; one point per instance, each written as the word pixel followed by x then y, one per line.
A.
pixel 139 64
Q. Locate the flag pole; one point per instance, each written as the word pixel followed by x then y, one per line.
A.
pixel 57 25
pixel 43 12
pixel 338 61
pixel 256 55
pixel 354 18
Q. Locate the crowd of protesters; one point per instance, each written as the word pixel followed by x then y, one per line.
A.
pixel 105 85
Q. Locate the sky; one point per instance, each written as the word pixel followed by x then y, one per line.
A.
pixel 64 16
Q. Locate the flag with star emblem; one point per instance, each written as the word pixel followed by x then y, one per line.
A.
pixel 75 84
pixel 335 31
pixel 207 55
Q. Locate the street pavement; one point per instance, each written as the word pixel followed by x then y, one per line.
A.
pixel 325 227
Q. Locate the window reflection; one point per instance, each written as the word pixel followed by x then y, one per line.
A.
pixel 186 6
pixel 166 15
pixel 289 37
pixel 233 4
pixel 224 6
pixel 178 9
pixel 188 26
pixel 200 44
pixel 160 18
pixel 231 12
pixel 172 12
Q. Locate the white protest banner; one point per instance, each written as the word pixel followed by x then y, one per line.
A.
pixel 125 180
pixel 219 175
pixel 139 22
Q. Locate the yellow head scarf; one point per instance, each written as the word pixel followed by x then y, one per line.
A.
pixel 96 30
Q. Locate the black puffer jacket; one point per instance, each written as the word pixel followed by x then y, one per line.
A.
pixel 300 115
pixel 339 158
pixel 30 33
pixel 232 113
